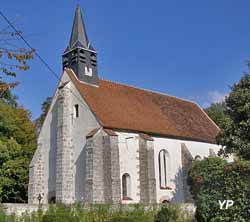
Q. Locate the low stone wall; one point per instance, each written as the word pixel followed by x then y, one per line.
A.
pixel 19 209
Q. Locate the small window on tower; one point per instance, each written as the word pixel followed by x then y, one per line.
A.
pixel 76 111
pixel 88 71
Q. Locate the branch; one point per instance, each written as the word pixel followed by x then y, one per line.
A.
pixel 6 50
pixel 6 86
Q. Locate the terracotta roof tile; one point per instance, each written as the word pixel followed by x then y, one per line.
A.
pixel 92 133
pixel 146 137
pixel 110 132
pixel 118 106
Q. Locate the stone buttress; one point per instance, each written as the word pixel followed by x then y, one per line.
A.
pixel 147 169
pixel 102 179
pixel 64 153
pixel 36 177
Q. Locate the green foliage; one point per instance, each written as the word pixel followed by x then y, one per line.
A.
pixel 217 112
pixel 234 136
pixel 137 213
pixel 172 213
pixel 17 145
pixel 2 215
pixel 6 218
pixel 105 213
pixel 214 179
pixel 207 172
pixel 8 98
pixel 45 108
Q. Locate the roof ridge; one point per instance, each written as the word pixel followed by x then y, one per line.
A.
pixel 151 91
pixel 138 88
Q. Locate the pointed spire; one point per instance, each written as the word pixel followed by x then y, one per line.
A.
pixel 80 56
pixel 79 35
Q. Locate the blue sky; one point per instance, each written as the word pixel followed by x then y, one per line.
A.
pixel 190 49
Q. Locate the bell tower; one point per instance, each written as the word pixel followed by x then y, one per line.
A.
pixel 80 56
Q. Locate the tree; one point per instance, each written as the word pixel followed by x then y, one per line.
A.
pixel 212 180
pixel 235 130
pixel 12 57
pixel 45 108
pixel 8 98
pixel 17 146
pixel 217 112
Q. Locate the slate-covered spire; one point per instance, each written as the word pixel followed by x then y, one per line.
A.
pixel 80 56
pixel 78 34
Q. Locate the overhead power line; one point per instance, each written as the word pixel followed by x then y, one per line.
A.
pixel 38 55
pixel 28 44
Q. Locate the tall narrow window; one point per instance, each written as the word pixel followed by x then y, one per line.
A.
pixel 164 165
pixel 76 111
pixel 126 186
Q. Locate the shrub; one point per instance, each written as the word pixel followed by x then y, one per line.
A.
pixel 172 213
pixel 2 215
pixel 104 213
pixel 214 179
pixel 60 213
pixel 6 218
pixel 133 213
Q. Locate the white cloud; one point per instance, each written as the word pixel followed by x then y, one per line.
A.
pixel 214 97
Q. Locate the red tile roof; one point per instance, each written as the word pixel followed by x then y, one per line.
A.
pixel 110 132
pixel 92 132
pixel 146 137
pixel 123 107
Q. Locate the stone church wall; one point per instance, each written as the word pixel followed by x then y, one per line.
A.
pixel 175 172
pixel 133 155
pixel 130 163
pixel 48 139
pixel 81 126
pixel 46 147
pixel 36 174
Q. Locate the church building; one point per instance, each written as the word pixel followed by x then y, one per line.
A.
pixel 107 142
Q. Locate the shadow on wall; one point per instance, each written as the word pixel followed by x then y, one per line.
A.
pixel 178 195
pixel 52 156
pixel 79 175
pixel 182 193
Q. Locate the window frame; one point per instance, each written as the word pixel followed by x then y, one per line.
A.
pixel 126 187
pixel 76 111
pixel 166 168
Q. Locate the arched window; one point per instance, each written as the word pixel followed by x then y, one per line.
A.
pixel 198 157
pixel 126 186
pixel 164 168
